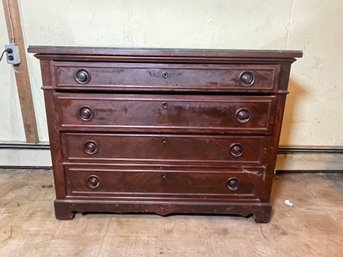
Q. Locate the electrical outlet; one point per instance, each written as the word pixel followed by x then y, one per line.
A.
pixel 13 56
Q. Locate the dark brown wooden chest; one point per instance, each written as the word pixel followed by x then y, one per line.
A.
pixel 164 131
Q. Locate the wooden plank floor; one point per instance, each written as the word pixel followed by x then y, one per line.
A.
pixel 313 226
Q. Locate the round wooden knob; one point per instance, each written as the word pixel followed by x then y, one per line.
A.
pixel 93 181
pixel 91 147
pixel 236 150
pixel 247 78
pixel 82 76
pixel 243 115
pixel 86 113
pixel 232 184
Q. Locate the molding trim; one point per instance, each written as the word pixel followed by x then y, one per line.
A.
pixel 24 146
pixel 310 149
pixel 6 167
pixel 307 171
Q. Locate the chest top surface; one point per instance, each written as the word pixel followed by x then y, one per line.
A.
pixel 70 51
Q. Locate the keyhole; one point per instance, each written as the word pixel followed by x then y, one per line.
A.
pixel 164 140
pixel 165 75
pixel 164 105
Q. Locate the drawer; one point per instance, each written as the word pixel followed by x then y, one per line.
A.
pixel 169 77
pixel 124 183
pixel 111 112
pixel 163 148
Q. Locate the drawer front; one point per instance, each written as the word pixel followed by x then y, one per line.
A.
pixel 99 182
pixel 145 76
pixel 244 114
pixel 145 148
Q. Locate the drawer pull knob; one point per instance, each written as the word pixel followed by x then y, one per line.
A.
pixel 247 78
pixel 93 181
pixel 82 76
pixel 165 75
pixel 91 147
pixel 236 150
pixel 233 184
pixel 86 113
pixel 243 115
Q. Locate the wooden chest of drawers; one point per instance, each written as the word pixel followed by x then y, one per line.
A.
pixel 164 131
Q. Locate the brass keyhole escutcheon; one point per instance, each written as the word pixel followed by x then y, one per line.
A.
pixel 164 105
pixel 165 75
